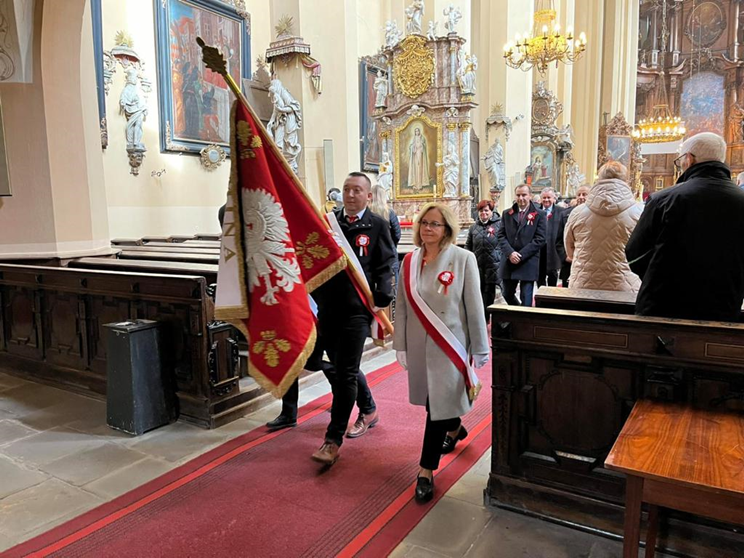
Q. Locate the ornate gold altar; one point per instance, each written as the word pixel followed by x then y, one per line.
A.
pixel 424 121
pixel 551 160
pixel 616 143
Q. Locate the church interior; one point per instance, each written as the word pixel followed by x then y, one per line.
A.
pixel 134 415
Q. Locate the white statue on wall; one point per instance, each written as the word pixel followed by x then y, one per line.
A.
pixel 453 15
pixel 393 35
pixel 414 15
pixel 385 172
pixel 286 120
pixel 451 164
pixel 466 72
pixel 493 160
pixel 381 90
pixel 134 107
pixel 431 34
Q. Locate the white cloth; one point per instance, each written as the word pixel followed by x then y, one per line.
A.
pixel 595 238
pixel 480 360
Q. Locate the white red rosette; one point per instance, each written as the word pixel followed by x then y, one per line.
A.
pixel 445 278
pixel 362 242
pixel 491 231
pixel 531 218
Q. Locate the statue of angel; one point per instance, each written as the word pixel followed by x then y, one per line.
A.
pixel 451 164
pixel 493 161
pixel 381 90
pixel 393 35
pixel 385 172
pixel 453 15
pixel 431 34
pixel 414 15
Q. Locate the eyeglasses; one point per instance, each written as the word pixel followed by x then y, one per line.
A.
pixel 678 163
pixel 431 224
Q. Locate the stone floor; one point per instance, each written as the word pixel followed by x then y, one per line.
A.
pixel 58 459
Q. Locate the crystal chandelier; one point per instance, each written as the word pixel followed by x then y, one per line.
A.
pixel 661 126
pixel 545 44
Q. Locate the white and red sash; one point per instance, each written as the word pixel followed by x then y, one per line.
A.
pixel 378 330
pixel 436 328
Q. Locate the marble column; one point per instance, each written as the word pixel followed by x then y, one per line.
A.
pixel 495 23
pixel 465 160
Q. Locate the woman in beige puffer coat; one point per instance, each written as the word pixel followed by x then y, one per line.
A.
pixel 597 231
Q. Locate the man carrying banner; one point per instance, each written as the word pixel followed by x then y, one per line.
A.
pixel 344 317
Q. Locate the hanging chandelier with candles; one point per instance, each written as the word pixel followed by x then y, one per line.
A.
pixel 661 125
pixel 545 45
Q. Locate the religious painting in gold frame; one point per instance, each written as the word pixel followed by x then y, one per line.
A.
pixel 418 147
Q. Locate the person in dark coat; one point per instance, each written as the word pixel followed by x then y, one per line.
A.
pixel 521 235
pixel 553 253
pixel 343 319
pixel 687 246
pixel 483 241
pixel 581 194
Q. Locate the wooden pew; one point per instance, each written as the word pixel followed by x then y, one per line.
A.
pixel 209 236
pixel 190 257
pixel 126 242
pixel 564 382
pixel 611 302
pixel 208 271
pixel 51 329
pixel 168 249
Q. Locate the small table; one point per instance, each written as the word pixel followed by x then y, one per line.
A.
pixel 682 458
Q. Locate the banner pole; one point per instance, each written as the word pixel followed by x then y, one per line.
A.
pixel 214 61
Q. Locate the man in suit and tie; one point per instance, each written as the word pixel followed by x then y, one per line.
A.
pixel 343 318
pixel 552 254
pixel 521 235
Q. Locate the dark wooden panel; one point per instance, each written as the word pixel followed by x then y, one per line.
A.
pixel 65 335
pixel 564 383
pixel 22 322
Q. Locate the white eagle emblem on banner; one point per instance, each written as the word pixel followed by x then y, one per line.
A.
pixel 269 254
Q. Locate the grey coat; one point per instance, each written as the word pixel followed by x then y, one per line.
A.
pixel 430 373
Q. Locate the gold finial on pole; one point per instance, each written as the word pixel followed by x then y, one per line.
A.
pixel 216 62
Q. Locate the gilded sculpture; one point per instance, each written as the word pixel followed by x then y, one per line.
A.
pixel 413 68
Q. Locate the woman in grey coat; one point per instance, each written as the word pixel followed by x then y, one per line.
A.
pixel 448 283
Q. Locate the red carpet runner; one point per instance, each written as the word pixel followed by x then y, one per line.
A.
pixel 261 494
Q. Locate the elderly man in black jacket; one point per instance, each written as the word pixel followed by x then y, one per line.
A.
pixel 687 247
pixel 521 235
pixel 553 253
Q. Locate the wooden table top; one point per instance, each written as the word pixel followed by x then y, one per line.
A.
pixel 618 297
pixel 170 256
pixel 679 444
pixel 148 265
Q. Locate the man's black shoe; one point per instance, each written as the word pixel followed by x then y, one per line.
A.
pixel 424 489
pixel 282 421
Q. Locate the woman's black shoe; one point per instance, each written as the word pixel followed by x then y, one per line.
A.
pixel 424 489
pixel 449 442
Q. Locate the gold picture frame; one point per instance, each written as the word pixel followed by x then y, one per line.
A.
pixel 429 176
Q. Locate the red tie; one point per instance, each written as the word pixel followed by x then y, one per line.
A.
pixel 351 218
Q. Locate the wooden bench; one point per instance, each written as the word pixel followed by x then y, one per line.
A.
pixel 208 271
pixel 676 456
pixel 178 249
pixel 564 383
pixel 189 257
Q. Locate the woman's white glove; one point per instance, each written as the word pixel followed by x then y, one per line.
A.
pixel 400 356
pixel 480 360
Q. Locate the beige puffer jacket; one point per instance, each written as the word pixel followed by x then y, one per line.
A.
pixel 596 234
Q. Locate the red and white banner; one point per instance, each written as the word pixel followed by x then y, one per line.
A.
pixel 276 248
pixel 436 328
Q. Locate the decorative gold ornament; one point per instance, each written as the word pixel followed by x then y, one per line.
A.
pixel 212 156
pixel 248 142
pixel 413 68
pixel 545 44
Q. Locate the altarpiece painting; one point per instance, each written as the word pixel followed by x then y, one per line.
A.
pixel 194 101
pixel 371 146
pixel 418 144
